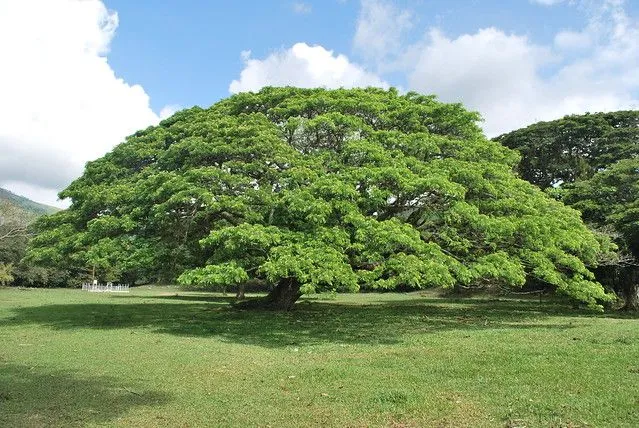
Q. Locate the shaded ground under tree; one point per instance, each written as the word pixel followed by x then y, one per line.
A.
pixel 375 321
pixel 39 396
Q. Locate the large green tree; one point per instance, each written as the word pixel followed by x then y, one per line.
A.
pixel 611 198
pixel 574 148
pixel 312 189
pixel 588 160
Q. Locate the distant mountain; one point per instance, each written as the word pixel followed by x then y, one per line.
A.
pixel 18 209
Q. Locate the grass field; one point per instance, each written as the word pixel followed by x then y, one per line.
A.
pixel 164 357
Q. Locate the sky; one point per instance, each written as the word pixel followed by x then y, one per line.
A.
pixel 78 76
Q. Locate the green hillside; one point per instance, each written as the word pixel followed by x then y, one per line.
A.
pixel 16 214
pixel 18 209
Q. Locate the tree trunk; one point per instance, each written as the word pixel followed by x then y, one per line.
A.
pixel 240 291
pixel 631 295
pixel 281 298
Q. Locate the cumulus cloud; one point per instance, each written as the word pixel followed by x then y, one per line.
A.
pixel 568 40
pixel 513 81
pixel 380 29
pixel 303 66
pixel 169 110
pixel 61 102
pixel 488 71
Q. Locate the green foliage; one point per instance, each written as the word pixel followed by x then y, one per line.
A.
pixel 591 162
pixel 220 275
pixel 574 148
pixel 16 216
pixel 6 276
pixel 332 190
pixel 611 197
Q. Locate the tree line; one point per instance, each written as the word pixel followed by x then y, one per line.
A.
pixel 16 218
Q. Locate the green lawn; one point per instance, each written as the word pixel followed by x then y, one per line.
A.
pixel 156 358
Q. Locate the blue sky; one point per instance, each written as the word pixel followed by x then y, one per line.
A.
pixel 81 75
pixel 187 53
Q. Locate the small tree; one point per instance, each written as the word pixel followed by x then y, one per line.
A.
pixel 6 276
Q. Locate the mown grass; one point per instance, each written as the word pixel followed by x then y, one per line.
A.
pixel 163 357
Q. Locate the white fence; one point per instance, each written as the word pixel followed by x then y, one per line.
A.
pixel 108 287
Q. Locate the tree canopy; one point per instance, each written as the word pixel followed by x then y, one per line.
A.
pixel 311 189
pixel 574 148
pixel 591 163
pixel 611 198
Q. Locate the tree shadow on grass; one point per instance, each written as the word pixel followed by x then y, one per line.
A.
pixel 34 396
pixel 227 300
pixel 310 323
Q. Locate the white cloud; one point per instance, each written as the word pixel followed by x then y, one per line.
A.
pixel 380 29
pixel 513 81
pixel 302 8
pixel 490 71
pixel 61 102
pixel 568 40
pixel 169 110
pixel 474 67
pixel 303 66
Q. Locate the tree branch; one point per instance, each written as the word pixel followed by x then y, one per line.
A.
pixel 15 232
